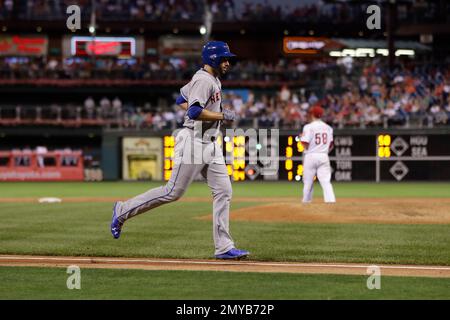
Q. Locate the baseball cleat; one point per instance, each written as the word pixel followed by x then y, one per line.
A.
pixel 233 254
pixel 116 224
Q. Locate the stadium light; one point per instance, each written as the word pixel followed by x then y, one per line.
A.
pixel 202 30
pixel 335 54
pixel 364 52
pixel 404 52
pixel 91 29
pixel 349 52
pixel 384 52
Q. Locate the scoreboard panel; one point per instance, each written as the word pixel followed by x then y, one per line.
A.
pixel 370 157
pixel 412 170
pixel 168 156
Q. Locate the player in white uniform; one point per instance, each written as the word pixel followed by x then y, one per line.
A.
pixel 317 140
pixel 196 152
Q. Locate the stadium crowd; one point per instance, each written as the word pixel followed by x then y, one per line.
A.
pixel 306 11
pixel 353 93
pixel 373 96
pixel 182 10
pixel 149 69
pixel 369 95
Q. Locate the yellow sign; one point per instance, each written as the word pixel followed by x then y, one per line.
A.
pixel 384 146
pixel 142 167
pixel 142 158
pixel 169 155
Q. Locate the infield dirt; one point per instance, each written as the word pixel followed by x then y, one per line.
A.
pixel 290 209
pixel 350 210
pixel 217 265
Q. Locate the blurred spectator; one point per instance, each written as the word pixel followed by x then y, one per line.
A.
pixel 158 122
pixel 285 93
pixel 6 8
pixel 105 107
pixel 89 106
pixel 67 158
pixel 439 115
pixel 41 151
pixel 116 108
pixel 347 62
pixel 372 116
pixel 329 84
pixel 238 104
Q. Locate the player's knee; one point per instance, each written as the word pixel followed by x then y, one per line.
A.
pixel 227 191
pixel 177 194
pixel 224 192
pixel 174 194
pixel 325 183
pixel 307 184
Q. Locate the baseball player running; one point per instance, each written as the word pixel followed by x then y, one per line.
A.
pixel 317 140
pixel 196 151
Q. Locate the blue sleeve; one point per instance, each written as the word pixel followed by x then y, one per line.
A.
pixel 194 111
pixel 180 100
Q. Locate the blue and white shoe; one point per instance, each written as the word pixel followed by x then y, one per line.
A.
pixel 116 224
pixel 233 254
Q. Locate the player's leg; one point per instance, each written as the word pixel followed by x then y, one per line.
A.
pixel 220 185
pixel 218 180
pixel 309 171
pixel 324 176
pixel 182 175
pixel 181 178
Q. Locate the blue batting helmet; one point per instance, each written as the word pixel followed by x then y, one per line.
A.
pixel 213 51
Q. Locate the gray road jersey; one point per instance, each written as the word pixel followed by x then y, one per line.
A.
pixel 207 91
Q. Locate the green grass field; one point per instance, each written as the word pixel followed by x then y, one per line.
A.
pixel 172 231
pixel 41 283
pixel 244 189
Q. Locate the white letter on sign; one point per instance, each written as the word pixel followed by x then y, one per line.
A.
pixel 374 281
pixel 73 22
pixel 374 21
pixel 74 281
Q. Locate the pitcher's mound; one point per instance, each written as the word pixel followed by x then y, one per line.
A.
pixel 356 210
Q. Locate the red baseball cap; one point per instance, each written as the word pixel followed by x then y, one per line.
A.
pixel 316 111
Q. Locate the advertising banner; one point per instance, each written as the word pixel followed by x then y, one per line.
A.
pixel 23 45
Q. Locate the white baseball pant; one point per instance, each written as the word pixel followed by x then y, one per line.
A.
pixel 317 164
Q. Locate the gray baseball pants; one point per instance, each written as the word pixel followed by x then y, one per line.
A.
pixel 192 156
